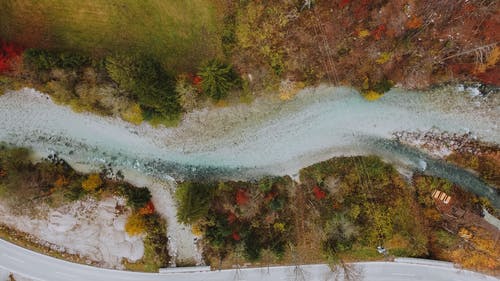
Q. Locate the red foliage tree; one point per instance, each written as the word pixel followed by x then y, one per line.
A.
pixel 491 29
pixel 241 197
pixel 9 55
pixel 318 193
pixel 378 32
pixel 343 3
pixel 148 209
pixel 270 196
pixel 361 10
pixel 231 218
pixel 462 68
pixel 236 236
pixel 491 76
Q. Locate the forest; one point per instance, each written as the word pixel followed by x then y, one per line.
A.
pixel 248 49
pixel 341 211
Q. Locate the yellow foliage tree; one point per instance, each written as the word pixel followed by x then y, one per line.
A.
pixel 363 33
pixel 133 114
pixel 372 95
pixel 279 227
pixel 383 58
pixel 491 60
pixel 196 229
pixel 93 182
pixel 135 225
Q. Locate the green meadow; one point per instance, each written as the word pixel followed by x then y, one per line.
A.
pixel 179 33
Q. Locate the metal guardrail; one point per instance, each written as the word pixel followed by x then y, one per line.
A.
pixel 187 269
pixel 424 262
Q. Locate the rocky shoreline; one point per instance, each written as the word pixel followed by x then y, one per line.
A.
pixel 442 144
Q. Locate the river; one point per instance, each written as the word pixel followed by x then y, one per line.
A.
pixel 267 137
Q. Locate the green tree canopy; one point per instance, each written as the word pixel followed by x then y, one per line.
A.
pixel 137 197
pixel 146 79
pixel 194 201
pixel 217 79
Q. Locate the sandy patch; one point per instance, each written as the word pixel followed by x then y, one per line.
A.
pixel 182 242
pixel 89 228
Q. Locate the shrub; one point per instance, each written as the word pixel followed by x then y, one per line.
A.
pixel 266 184
pixel 193 200
pixel 74 191
pixel 217 79
pixel 137 197
pixel 42 60
pixel 133 114
pixel 156 242
pixel 383 86
pixel 241 197
pixel 340 236
pixel 372 95
pixel 187 92
pixel 93 182
pixel 253 245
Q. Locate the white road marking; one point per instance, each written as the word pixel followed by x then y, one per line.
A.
pixel 403 274
pixel 13 258
pixel 65 274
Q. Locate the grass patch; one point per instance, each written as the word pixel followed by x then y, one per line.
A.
pixel 177 33
pixel 359 253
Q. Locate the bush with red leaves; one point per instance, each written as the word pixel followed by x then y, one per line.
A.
pixel 318 193
pixel 362 9
pixel 491 29
pixel 9 55
pixel 378 32
pixel 270 196
pixel 343 3
pixel 231 218
pixel 241 197
pixel 236 236
pixel 197 80
pixel 490 76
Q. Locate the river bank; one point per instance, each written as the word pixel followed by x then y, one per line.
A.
pixel 279 137
pixel 247 141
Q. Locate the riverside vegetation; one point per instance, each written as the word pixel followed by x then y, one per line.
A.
pixel 25 185
pixel 340 212
pixel 143 62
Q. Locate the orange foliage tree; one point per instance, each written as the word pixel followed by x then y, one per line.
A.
pixel 241 197
pixel 61 181
pixel 93 182
pixel 414 23
pixel 148 209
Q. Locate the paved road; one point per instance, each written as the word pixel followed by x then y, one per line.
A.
pixel 39 267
